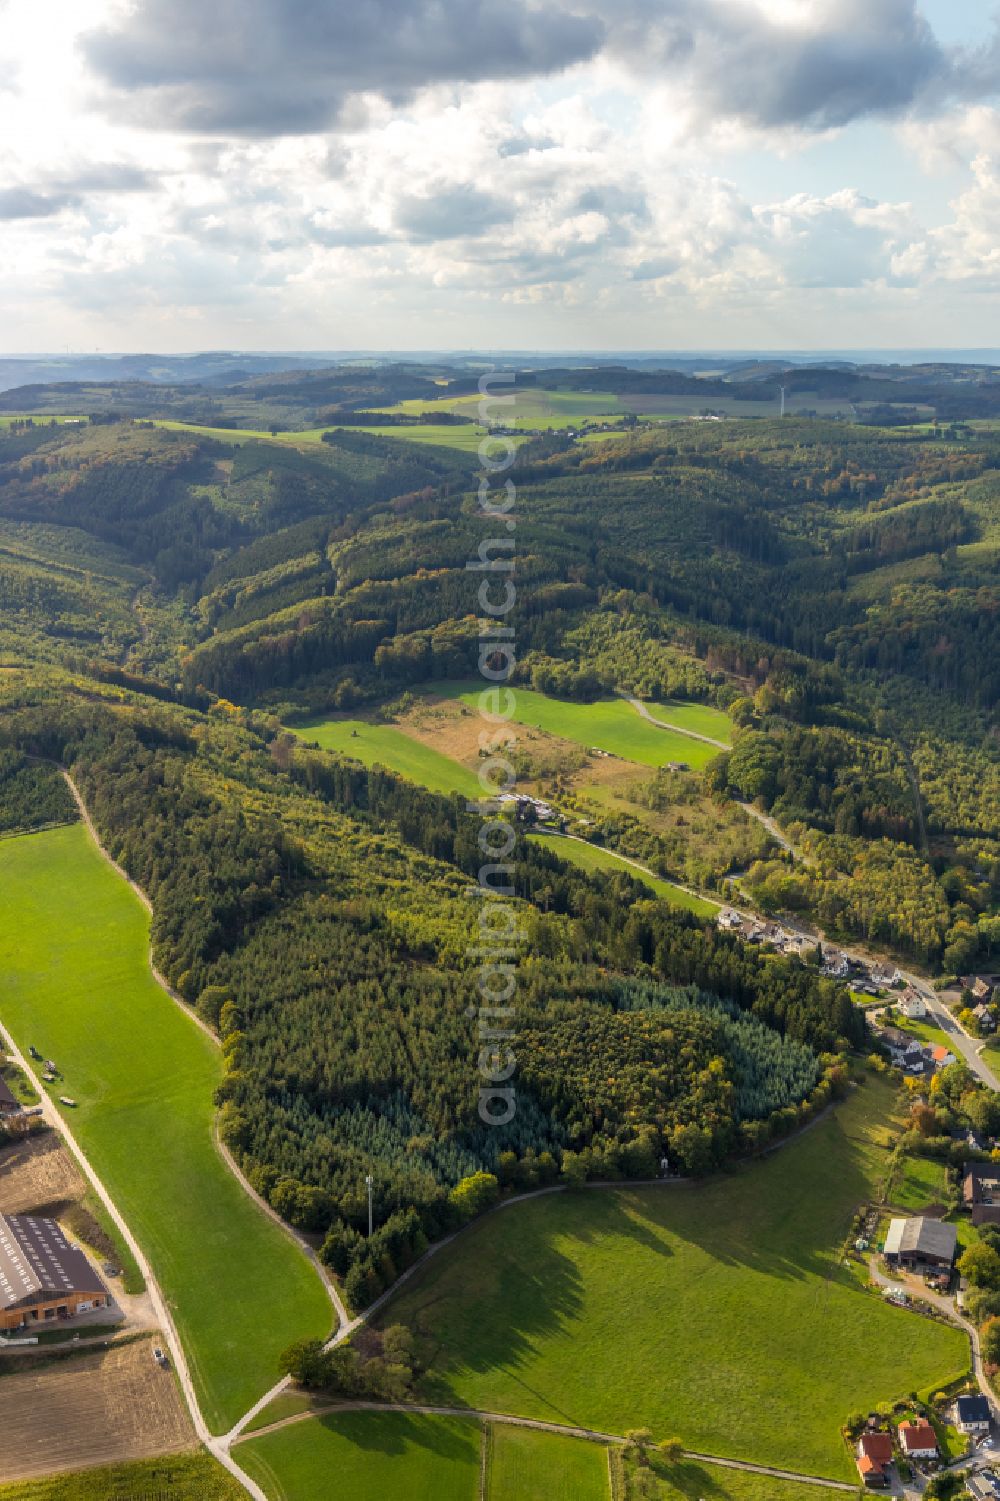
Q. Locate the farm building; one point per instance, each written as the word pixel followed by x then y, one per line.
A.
pixel 981 1192
pixel 42 1277
pixel 9 1105
pixel 921 1243
pixel 874 1459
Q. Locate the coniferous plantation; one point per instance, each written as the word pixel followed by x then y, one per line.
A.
pixel 174 603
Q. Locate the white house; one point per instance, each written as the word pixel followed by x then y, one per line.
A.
pixel 972 1414
pixel 918 1441
pixel 912 1005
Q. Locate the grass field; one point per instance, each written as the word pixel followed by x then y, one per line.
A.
pixel 920 1183
pixel 533 1466
pixel 374 1456
pixel 382 745
pixel 717 1312
pixel 462 438
pixel 590 857
pixel 531 408
pixel 76 984
pixel 182 1477
pixel 689 1481
pixel 610 725
pixel 702 719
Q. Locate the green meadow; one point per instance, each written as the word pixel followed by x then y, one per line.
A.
pixel 382 745
pixel 591 857
pixel 535 1466
pixel 75 983
pixel 718 1312
pixel 531 408
pixel 701 719
pixel 690 1481
pixel 367 1456
pixel 610 725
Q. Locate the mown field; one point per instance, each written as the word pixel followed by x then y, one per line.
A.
pixel 462 438
pixel 382 745
pixel 717 1312
pixel 76 984
pixel 182 1477
pixel 701 719
pixel 689 1481
pixel 610 724
pixel 590 857
pixel 531 408
pixel 374 1456
pixel 534 1466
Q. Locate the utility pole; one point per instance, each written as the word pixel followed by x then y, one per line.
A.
pixel 368 1183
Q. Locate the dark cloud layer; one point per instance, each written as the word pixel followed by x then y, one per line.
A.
pixel 279 67
pixel 854 58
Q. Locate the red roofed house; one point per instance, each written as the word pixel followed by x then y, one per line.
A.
pixel 942 1057
pixel 918 1440
pixel 875 1458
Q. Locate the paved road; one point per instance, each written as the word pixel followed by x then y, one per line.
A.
pixel 594 1435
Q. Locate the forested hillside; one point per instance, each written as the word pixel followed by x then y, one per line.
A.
pixel 172 602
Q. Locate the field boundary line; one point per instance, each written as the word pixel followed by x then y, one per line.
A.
pixel 541 1425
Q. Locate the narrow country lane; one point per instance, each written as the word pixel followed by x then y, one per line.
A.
pixel 664 724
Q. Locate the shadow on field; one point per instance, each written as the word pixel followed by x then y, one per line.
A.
pixel 518 1279
pixel 689 1480
pixel 396 1432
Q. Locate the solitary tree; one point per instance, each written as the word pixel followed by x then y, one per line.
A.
pixel 638 1442
pixel 672 1450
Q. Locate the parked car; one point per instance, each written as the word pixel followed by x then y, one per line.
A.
pixel 160 1358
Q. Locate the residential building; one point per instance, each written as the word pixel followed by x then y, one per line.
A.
pixel 874 1459
pixel 981 1192
pixel 921 1244
pixel 983 1487
pixel 941 1057
pixel 912 1005
pixel 985 1017
pixel 42 1277
pixel 918 1440
pixel 972 1414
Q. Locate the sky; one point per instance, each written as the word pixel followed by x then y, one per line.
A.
pixel 531 174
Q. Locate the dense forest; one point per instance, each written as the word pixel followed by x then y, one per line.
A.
pixel 171 603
